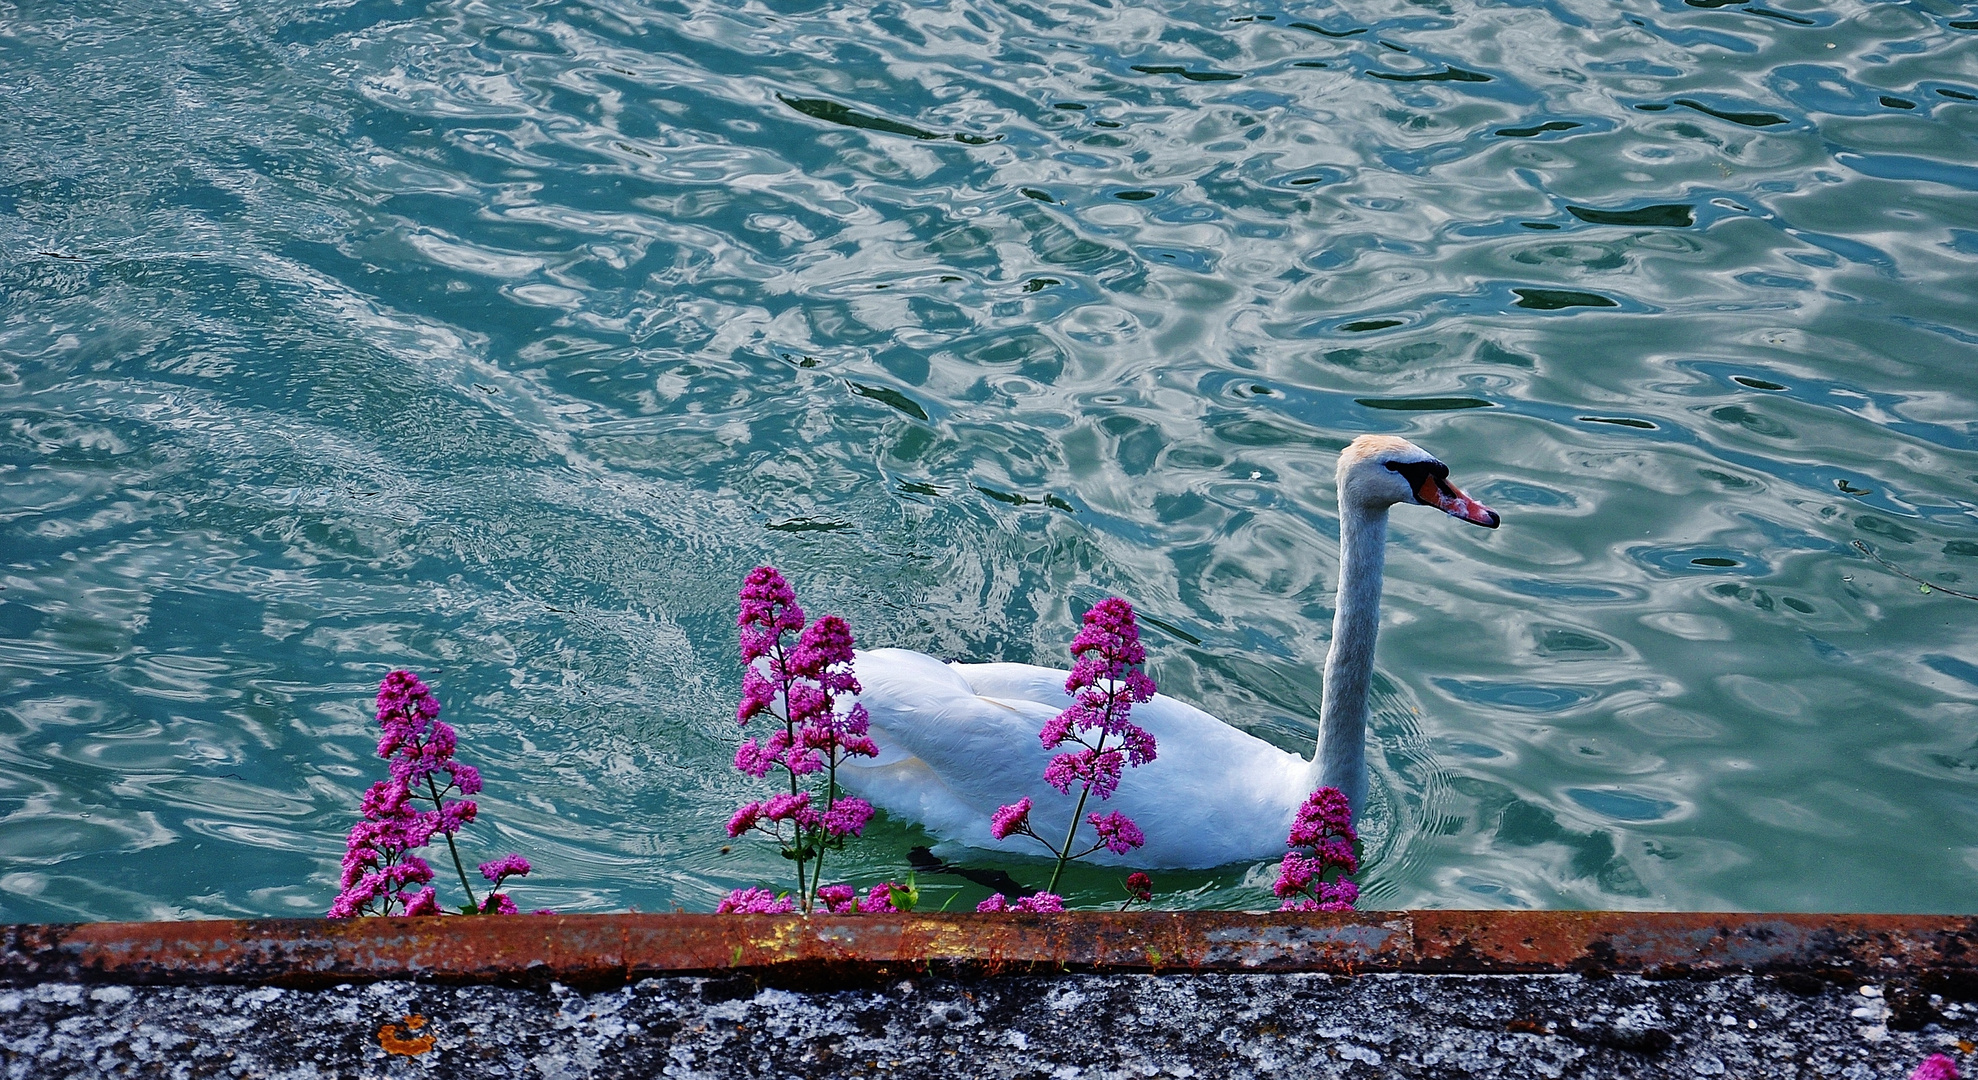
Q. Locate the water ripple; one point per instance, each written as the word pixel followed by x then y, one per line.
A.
pixel 500 340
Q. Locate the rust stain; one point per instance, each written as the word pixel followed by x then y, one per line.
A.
pixel 397 1037
pixel 599 950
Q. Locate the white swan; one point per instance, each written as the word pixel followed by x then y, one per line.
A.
pixel 959 740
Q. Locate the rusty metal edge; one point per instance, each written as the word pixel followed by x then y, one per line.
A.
pixel 606 950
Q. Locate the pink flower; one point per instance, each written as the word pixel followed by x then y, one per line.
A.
pixel 1324 812
pixel 1337 851
pixel 1117 832
pixel 745 818
pixel 790 808
pixel 379 867
pixel 753 759
pixel 1139 745
pixel 1935 1067
pixel 1040 902
pixel 824 646
pixel 455 815
pixel 859 746
pixel 1014 818
pixel 755 902
pixel 808 702
pixel 465 777
pixel 1139 886
pixel 1110 630
pixel 1097 769
pixel 769 603
pixel 1324 827
pixel 1058 728
pixel 839 899
pixel 847 817
pixel 783 807
pixel 758 694
pixel 378 864
pixel 879 898
pixel 803 762
pixel 506 866
pixel 1295 874
pixel 427 902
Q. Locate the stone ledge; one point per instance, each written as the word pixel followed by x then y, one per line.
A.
pixel 1184 994
pixel 595 951
pixel 1226 1026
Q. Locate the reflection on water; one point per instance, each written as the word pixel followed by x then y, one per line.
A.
pixel 499 340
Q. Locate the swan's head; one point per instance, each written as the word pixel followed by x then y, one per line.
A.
pixel 1377 471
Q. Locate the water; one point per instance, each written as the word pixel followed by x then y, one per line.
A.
pixel 498 340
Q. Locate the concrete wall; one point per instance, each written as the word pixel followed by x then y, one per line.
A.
pixel 1410 994
pixel 1218 1025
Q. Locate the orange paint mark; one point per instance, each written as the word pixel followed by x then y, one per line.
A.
pixel 397 1037
pixel 1965 1046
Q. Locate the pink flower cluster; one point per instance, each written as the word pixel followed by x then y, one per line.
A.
pixel 378 865
pixel 755 902
pixel 844 900
pixel 1324 827
pixel 1117 832
pixel 498 871
pixel 806 678
pixel 799 683
pixel 1010 820
pixel 1036 902
pixel 834 899
pixel 1106 681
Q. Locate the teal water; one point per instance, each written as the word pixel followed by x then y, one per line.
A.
pixel 498 340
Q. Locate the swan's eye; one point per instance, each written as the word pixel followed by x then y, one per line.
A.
pixel 1421 476
pixel 1415 470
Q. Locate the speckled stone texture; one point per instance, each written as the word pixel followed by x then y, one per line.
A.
pixel 1223 1026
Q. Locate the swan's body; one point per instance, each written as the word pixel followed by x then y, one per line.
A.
pixel 959 740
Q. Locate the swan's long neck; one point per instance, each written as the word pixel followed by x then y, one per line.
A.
pixel 1342 752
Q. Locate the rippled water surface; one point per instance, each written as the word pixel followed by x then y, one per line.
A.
pixel 499 339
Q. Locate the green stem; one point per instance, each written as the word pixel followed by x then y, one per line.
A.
pixel 1064 853
pixel 457 867
pixel 830 799
pixel 804 897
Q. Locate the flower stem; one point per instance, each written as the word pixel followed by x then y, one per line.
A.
pixel 1064 853
pixel 457 867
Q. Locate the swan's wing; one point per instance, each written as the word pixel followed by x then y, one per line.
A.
pixel 983 752
pixel 1017 682
pixel 907 788
pixel 900 684
pixel 1193 732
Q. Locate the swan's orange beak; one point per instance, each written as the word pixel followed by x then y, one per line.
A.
pixel 1448 498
